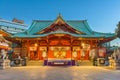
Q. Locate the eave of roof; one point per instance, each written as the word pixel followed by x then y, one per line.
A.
pixel 75 35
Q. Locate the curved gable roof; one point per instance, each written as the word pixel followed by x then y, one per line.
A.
pixel 38 26
pixel 78 25
pixel 81 26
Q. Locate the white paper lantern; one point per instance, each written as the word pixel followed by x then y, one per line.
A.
pixel 74 53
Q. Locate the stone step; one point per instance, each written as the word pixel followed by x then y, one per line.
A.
pixel 85 63
pixel 34 63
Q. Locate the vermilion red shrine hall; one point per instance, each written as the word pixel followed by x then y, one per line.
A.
pixel 57 42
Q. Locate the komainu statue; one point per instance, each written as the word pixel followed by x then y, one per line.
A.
pixel 3 54
pixel 116 54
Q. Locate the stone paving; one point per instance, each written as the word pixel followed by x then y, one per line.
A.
pixel 59 73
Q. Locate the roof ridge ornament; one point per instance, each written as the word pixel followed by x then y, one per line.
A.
pixel 59 19
pixel 59 14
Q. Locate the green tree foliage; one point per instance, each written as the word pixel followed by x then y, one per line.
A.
pixel 117 31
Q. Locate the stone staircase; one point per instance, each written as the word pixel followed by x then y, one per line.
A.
pixel 40 63
pixel 85 63
pixel 35 63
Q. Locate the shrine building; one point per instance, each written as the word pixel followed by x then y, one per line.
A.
pixel 60 42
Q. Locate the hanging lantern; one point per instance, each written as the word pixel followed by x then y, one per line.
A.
pixel 74 54
pixel 102 52
pixel 44 54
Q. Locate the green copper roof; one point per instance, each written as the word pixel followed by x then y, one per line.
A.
pixel 81 26
pixel 38 26
pixel 78 25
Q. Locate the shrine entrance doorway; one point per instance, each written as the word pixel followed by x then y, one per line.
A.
pixel 33 55
pixel 59 52
pixel 59 55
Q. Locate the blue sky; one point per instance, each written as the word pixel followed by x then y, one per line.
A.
pixel 102 15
